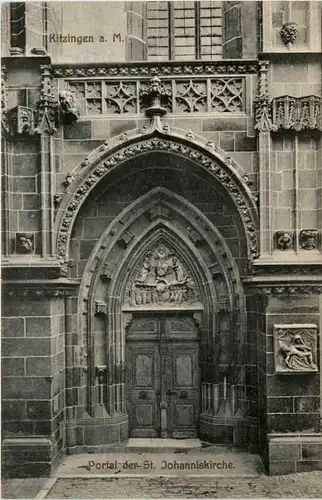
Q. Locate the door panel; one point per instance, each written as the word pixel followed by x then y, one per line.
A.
pixel 163 370
pixel 184 408
pixel 143 365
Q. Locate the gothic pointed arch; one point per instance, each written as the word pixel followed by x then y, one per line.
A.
pixel 196 150
pixel 202 278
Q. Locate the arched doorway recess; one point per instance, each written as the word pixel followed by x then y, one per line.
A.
pixel 114 297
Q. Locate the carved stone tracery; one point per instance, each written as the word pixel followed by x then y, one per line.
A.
pixel 172 95
pixel 296 113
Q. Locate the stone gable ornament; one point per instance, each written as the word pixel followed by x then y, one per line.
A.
pixel 161 280
pixel 308 239
pixel 295 348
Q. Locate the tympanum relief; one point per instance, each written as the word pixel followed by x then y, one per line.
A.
pixel 160 281
pixel 295 348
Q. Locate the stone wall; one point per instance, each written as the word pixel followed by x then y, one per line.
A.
pixel 33 384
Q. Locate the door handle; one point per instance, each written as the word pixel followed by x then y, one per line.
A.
pixel 171 392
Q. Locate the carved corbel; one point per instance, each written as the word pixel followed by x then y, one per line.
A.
pixel 68 106
pixel 126 237
pixel 100 308
pixel 194 236
pixel 284 241
pixel 308 239
pixel 25 243
pixel 155 96
pixel 21 121
pixel 215 270
pixel 289 34
pixel 107 272
pixel 69 179
pixel 57 200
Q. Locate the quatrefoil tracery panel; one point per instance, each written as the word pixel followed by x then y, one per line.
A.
pixel 193 95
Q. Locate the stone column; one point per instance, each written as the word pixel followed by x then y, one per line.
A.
pixel 263 127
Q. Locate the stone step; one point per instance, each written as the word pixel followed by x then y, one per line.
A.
pixel 160 445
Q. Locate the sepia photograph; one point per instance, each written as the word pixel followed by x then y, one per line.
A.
pixel 161 249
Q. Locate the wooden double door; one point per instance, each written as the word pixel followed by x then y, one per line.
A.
pixel 162 363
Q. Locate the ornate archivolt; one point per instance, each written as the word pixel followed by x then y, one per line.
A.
pixel 161 253
pixel 156 138
pixel 159 205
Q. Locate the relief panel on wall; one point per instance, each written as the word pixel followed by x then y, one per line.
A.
pixel 161 280
pixel 295 348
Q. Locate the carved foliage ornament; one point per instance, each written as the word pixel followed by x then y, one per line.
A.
pixel 36 293
pixel 162 280
pixel 45 118
pixel 167 69
pixel 295 348
pixel 289 289
pixel 151 145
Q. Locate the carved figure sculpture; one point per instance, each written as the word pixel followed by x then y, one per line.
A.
pixel 298 355
pixel 296 350
pixel 283 240
pixel 308 239
pixel 289 34
pixel 25 243
pixel 161 279
pixel 68 106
